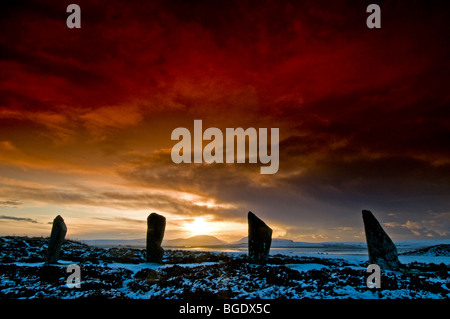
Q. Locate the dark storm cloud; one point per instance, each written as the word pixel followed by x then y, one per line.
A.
pixel 46 65
pixel 239 184
pixel 395 182
pixel 325 190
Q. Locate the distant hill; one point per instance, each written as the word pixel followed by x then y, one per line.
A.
pixel 205 240
pixel 442 250
pixel 279 242
pixel 200 240
pixel 244 241
pixel 417 244
pixel 108 243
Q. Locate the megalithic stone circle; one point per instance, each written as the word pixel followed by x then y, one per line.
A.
pixel 259 240
pixel 156 225
pixel 382 250
pixel 59 230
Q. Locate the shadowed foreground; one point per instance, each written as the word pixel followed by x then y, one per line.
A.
pixel 124 273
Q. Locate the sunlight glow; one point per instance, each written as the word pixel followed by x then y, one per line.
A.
pixel 199 227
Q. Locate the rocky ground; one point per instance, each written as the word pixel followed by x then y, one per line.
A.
pixel 123 273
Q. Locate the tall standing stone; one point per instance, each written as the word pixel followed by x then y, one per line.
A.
pixel 382 250
pixel 156 225
pixel 259 239
pixel 56 240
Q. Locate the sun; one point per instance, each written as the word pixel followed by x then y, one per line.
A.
pixel 198 227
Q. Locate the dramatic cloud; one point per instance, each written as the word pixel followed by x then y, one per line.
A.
pixel 432 225
pixel 86 114
pixel 18 219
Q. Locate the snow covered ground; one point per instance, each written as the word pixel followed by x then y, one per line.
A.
pixel 289 274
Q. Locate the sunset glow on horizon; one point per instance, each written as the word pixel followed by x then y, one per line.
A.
pixel 86 117
pixel 199 227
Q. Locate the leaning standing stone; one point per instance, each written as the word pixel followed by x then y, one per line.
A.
pixel 259 240
pixel 382 251
pixel 57 235
pixel 156 225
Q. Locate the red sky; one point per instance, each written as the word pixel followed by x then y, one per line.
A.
pixel 86 116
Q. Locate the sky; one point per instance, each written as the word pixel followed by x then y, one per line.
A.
pixel 86 117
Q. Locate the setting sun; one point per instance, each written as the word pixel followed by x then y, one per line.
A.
pixel 198 227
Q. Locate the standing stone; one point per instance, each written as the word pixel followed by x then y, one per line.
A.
pixel 382 251
pixel 156 224
pixel 259 239
pixel 56 240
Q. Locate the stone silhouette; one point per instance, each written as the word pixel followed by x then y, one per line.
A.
pixel 156 225
pixel 259 239
pixel 382 251
pixel 56 240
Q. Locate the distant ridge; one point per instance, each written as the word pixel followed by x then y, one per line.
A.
pixel 442 250
pixel 108 243
pixel 200 240
pixel 206 240
pixel 244 241
pixel 280 243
